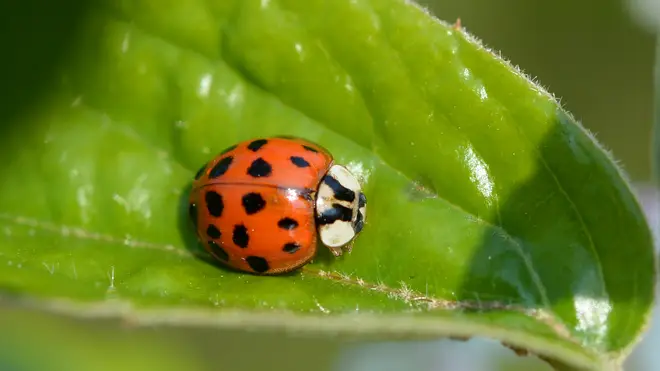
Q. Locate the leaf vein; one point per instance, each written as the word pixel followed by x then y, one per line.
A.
pixel 84 234
pixel 414 298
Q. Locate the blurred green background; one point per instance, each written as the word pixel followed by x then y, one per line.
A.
pixel 592 54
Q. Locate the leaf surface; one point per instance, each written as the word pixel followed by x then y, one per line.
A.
pixel 491 211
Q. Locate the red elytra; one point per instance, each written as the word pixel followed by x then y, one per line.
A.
pixel 253 205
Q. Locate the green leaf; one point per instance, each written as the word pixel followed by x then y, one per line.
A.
pixel 491 211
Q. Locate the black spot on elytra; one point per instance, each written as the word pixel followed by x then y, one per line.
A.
pixel 192 212
pixel 257 263
pixel 214 203
pixel 256 145
pixel 228 149
pixel 338 212
pixel 341 193
pixel 287 223
pixel 359 223
pixel 253 203
pixel 311 149
pixel 218 251
pixel 200 172
pixel 221 167
pixel 362 200
pixel 213 232
pixel 240 236
pixel 291 247
pixel 299 161
pixel 259 168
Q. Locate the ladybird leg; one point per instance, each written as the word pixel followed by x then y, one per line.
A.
pixel 336 250
pixel 349 246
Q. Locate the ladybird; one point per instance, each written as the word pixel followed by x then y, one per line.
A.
pixel 261 206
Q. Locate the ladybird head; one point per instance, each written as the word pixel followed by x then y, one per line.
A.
pixel 340 208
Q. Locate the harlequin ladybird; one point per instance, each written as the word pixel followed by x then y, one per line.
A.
pixel 261 205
